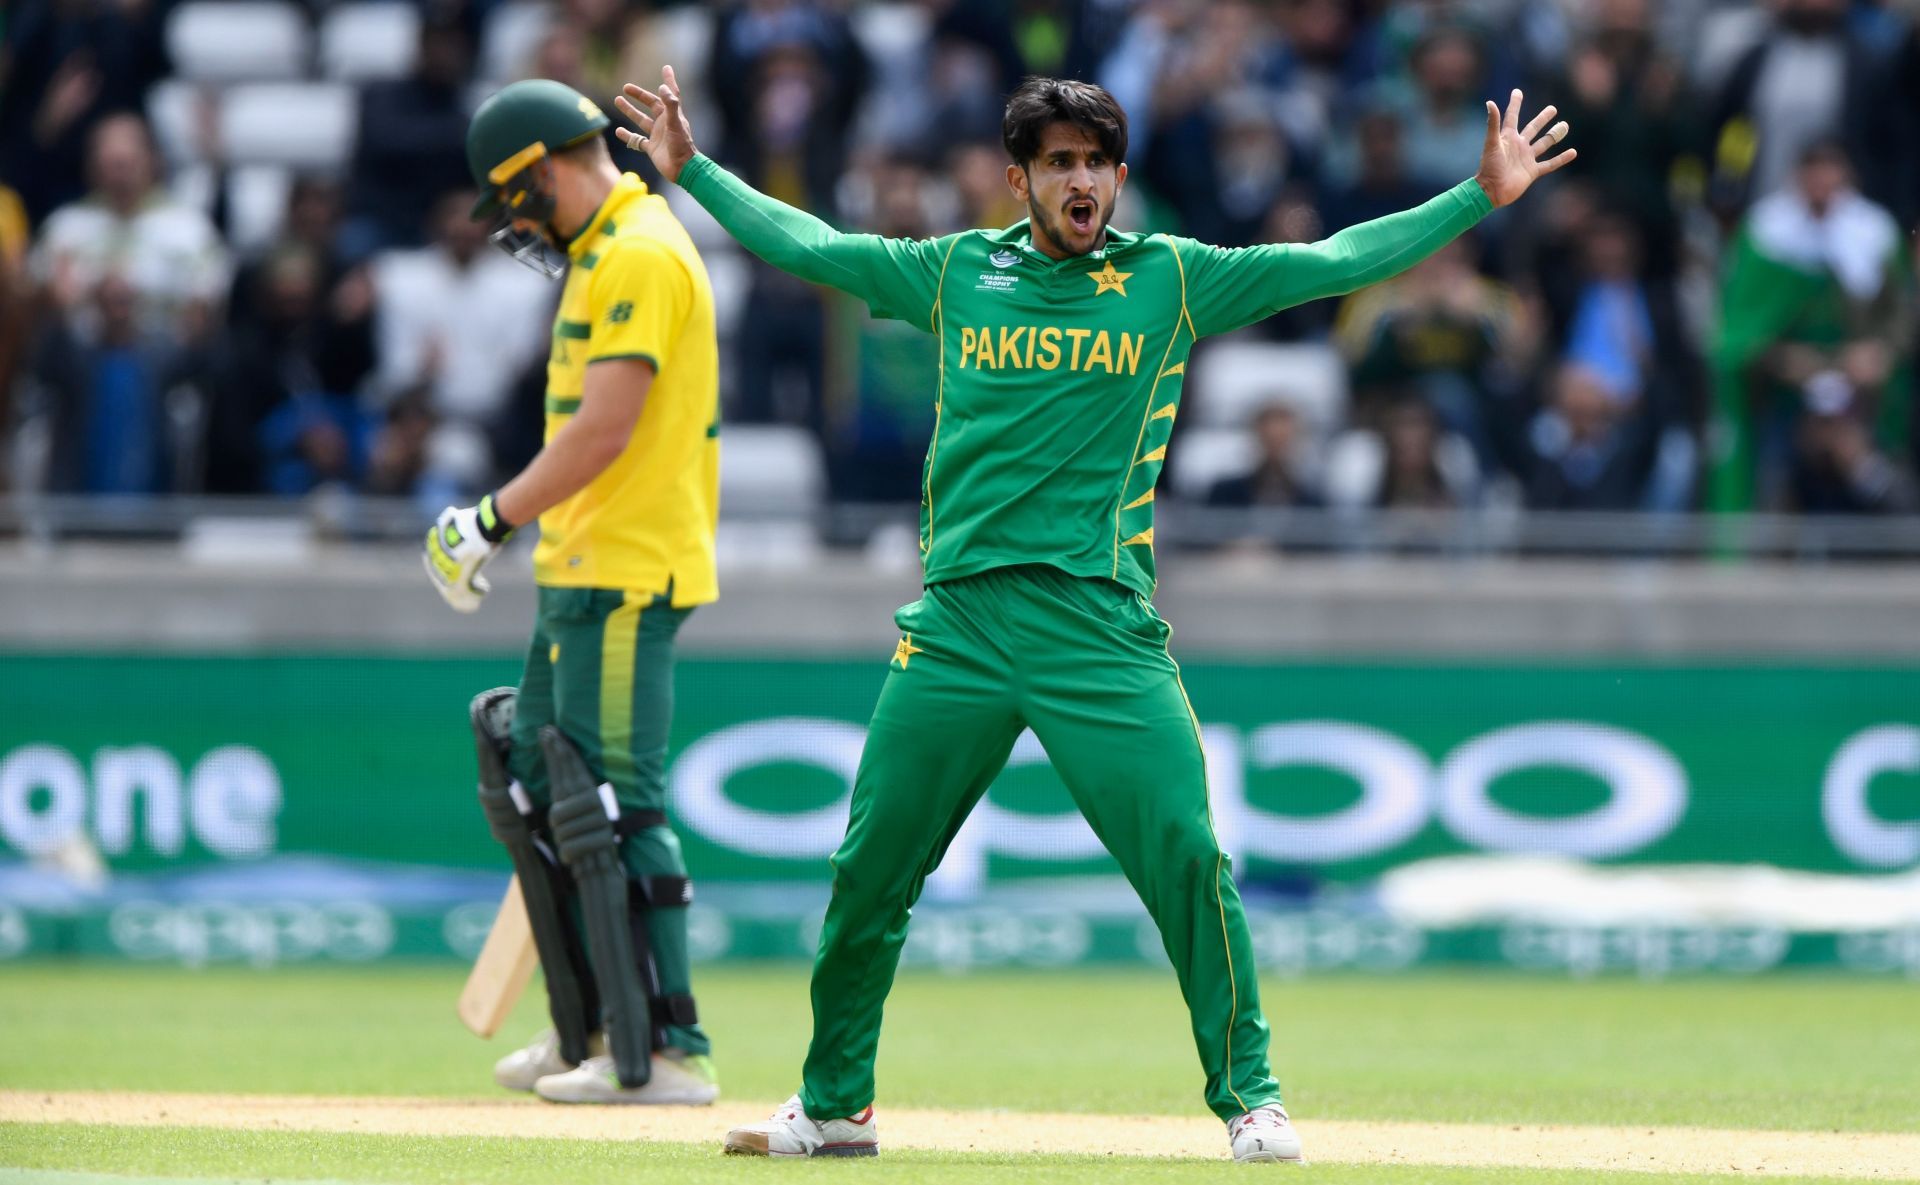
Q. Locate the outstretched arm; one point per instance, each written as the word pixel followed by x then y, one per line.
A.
pixel 1231 288
pixel 897 277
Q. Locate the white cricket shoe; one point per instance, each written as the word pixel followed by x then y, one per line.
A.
pixel 790 1132
pixel 1264 1135
pixel 678 1079
pixel 522 1068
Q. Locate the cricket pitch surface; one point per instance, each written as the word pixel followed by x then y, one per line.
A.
pixel 1617 1149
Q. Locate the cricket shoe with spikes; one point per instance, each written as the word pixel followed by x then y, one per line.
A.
pixel 1264 1135
pixel 522 1068
pixel 790 1132
pixel 678 1078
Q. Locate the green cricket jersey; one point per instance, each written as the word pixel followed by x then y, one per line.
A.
pixel 1059 379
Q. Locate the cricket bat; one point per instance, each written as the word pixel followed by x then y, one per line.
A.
pixel 503 969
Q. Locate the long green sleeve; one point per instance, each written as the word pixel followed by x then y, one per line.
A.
pixel 1231 287
pixel 898 278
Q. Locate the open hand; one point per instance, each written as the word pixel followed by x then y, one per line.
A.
pixel 665 135
pixel 1514 156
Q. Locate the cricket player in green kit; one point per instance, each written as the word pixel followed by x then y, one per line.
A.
pixel 1063 350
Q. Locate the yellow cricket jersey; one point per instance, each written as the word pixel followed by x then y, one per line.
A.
pixel 637 289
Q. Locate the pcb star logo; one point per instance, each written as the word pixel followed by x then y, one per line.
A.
pixel 1108 280
pixel 904 652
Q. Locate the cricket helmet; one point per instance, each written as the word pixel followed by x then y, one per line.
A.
pixel 518 126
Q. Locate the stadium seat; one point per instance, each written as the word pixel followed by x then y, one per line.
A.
pixel 256 205
pixel 305 125
pixel 170 110
pixel 193 185
pixel 772 482
pixel 234 40
pixel 1232 380
pixel 730 275
pixel 374 40
pixel 1725 34
pixel 512 34
pixel 1354 460
pixel 1203 456
pixel 683 37
pixel 888 31
pixel 771 471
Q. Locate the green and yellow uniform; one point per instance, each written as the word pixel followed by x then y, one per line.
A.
pixel 1058 385
pixel 621 564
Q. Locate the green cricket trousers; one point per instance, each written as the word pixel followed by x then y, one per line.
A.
pixel 600 666
pixel 1084 664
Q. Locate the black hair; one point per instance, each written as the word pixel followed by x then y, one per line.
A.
pixel 1041 102
pixel 1826 150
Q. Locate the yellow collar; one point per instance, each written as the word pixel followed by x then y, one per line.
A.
pixel 625 191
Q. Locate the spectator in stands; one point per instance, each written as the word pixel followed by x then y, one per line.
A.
pixel 1211 143
pixel 1408 463
pixel 977 170
pixel 127 225
pixel 273 427
pixel 1818 295
pixel 1277 477
pixel 1438 104
pixel 14 311
pixel 1609 319
pixel 1624 95
pixel 1591 447
pixel 877 440
pixel 456 322
pixel 794 79
pixel 1295 218
pixel 1452 336
pixel 1898 146
pixel 1367 172
pixel 345 356
pixel 409 149
pixel 1808 80
pixel 1323 65
pixel 1837 466
pixel 109 388
pixel 69 63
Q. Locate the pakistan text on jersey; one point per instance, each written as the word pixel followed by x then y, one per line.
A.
pixel 1025 347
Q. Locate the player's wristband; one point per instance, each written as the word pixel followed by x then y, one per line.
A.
pixel 493 528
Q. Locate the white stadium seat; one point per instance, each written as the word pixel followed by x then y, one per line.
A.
pixel 363 42
pixel 1232 380
pixel 256 205
pixel 233 40
pixel 1202 456
pixel 306 125
pixel 1726 35
pixel 773 480
pixel 888 31
pixel 683 37
pixel 170 111
pixel 771 470
pixel 513 32
pixel 731 276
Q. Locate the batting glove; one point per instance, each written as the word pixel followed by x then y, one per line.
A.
pixel 460 543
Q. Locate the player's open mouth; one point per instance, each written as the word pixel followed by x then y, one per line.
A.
pixel 1080 214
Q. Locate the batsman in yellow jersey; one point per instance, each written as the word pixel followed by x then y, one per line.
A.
pixel 626 491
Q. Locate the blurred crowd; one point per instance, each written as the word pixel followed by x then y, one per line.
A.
pixel 1713 308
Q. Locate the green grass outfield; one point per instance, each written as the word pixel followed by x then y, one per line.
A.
pixel 1784 1052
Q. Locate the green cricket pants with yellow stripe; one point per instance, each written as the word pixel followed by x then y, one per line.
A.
pixel 1084 664
pixel 600 666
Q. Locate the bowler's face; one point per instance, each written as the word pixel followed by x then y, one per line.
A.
pixel 1069 186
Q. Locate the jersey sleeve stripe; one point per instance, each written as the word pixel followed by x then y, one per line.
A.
pixel 1146 413
pixel 1183 289
pixel 938 325
pixel 649 359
